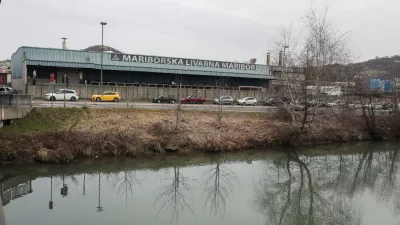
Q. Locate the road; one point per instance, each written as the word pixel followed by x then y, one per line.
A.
pixel 148 105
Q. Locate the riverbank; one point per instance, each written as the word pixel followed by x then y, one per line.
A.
pixel 57 135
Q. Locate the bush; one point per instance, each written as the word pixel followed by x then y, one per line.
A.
pixel 282 114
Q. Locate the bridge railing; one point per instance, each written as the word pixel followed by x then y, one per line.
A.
pixel 15 100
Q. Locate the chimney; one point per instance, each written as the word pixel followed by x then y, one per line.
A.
pixel 280 58
pixel 268 59
pixel 64 43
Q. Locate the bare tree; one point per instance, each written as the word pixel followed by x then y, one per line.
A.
pixel 178 103
pixel 221 91
pixel 323 46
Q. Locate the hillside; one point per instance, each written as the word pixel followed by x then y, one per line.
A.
pixel 380 67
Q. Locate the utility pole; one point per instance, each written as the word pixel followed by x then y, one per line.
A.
pixel 52 95
pixel 86 92
pixel 65 86
pixel 102 51
pixel 33 85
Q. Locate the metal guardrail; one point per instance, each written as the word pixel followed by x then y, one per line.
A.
pixel 15 100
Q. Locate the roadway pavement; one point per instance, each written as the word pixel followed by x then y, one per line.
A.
pixel 148 105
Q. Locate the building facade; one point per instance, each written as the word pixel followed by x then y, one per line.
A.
pixel 81 66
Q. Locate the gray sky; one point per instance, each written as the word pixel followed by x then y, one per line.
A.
pixel 207 29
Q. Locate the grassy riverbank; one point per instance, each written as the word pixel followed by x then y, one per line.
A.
pixel 61 135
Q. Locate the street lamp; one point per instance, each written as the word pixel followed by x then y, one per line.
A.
pixel 102 51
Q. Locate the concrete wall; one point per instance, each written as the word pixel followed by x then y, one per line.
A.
pixel 11 113
pixel 145 92
pixel 18 83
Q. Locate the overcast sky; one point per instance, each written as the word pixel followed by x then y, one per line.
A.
pixel 207 29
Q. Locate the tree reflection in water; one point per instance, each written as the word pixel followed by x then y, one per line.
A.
pixel 218 187
pixel 124 184
pixel 304 196
pixel 174 196
pixel 377 171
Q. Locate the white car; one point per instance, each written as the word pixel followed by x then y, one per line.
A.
pixel 70 95
pixel 247 101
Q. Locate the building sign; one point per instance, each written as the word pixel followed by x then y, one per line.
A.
pixel 182 62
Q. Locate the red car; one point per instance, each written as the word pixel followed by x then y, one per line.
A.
pixel 193 100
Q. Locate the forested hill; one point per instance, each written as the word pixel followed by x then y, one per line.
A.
pixel 383 65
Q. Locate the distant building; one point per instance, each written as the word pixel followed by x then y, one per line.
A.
pixel 5 75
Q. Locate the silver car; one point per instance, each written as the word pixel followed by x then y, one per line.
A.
pixel 5 91
pixel 224 100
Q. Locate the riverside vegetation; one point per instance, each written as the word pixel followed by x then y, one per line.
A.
pixel 57 135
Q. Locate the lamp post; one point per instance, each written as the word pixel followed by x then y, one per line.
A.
pixel 102 51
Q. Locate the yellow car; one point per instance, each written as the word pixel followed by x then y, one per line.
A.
pixel 107 96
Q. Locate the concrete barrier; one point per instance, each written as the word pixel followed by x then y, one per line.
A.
pixel 11 113
pixel 15 100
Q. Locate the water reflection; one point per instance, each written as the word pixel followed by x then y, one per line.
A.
pixel 218 188
pixel 285 188
pixel 2 217
pixel 302 196
pixel 64 188
pixel 174 198
pixel 124 184
pixel 51 203
pixel 99 207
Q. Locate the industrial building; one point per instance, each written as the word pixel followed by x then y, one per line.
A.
pixel 85 65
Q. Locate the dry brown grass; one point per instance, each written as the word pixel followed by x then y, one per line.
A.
pixel 136 132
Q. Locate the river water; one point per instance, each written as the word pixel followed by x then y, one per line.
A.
pixel 343 184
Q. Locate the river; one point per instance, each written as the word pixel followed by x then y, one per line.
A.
pixel 337 184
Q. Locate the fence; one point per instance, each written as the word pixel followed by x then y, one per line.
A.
pixel 145 92
pixel 15 100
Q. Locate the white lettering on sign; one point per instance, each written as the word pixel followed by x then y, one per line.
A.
pixel 126 58
pixel 182 62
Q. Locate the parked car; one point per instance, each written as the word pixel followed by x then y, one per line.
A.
pixel 389 105
pixel 164 98
pixel 317 103
pixel 5 91
pixel 276 101
pixel 193 100
pixel 224 100
pixel 12 90
pixel 297 107
pixel 110 96
pixel 371 106
pixel 70 95
pixel 247 101
pixel 340 103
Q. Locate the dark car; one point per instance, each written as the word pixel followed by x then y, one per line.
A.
pixel 388 106
pixel 164 99
pixel 317 103
pixel 193 100
pixel 276 101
